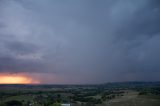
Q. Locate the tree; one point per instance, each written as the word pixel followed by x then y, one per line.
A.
pixel 13 103
pixel 56 104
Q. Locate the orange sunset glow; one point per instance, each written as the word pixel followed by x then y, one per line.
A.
pixel 16 79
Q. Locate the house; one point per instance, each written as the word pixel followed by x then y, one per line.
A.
pixel 65 105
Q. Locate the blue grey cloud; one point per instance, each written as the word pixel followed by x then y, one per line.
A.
pixel 88 41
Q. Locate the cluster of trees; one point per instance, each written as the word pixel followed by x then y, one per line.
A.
pixel 18 103
pixel 12 103
pixel 87 100
pixel 147 91
pixel 85 96
pixel 111 94
pixel 38 100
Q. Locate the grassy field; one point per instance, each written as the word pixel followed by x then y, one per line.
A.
pixel 131 98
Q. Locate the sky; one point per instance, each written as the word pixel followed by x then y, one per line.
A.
pixel 80 41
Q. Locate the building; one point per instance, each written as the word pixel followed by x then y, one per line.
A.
pixel 65 105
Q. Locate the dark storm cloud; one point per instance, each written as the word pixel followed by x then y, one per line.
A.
pixel 11 64
pixel 84 41
pixel 144 22
pixel 21 47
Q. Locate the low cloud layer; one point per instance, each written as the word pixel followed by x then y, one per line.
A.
pixel 81 41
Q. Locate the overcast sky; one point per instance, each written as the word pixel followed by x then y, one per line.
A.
pixel 81 41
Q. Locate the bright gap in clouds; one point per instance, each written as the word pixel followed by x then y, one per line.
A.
pixel 6 78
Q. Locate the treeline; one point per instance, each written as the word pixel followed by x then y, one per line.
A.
pixel 147 91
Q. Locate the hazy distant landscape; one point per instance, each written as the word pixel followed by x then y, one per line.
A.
pixel 109 94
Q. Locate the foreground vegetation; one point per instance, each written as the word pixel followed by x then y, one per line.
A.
pixel 110 94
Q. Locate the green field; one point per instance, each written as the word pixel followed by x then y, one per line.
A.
pixel 132 98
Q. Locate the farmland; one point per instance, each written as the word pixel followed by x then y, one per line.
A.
pixel 109 94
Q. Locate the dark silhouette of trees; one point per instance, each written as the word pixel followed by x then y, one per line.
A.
pixel 13 103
